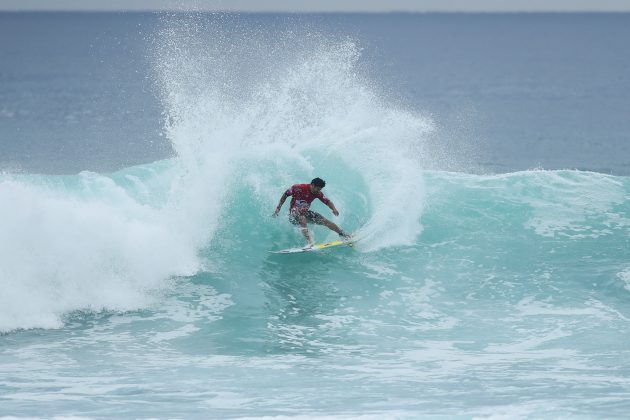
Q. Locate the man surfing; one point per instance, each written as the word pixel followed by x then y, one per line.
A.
pixel 299 213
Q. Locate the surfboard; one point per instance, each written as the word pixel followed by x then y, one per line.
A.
pixel 315 248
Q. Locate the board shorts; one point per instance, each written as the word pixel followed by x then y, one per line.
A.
pixel 311 217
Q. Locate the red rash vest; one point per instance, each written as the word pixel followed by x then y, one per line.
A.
pixel 303 197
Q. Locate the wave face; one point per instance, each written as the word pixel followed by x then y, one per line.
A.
pixel 489 294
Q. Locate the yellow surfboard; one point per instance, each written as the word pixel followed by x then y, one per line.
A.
pixel 314 248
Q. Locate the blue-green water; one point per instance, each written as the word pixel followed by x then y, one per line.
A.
pixel 149 291
pixel 513 300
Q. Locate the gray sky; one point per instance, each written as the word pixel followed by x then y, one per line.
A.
pixel 326 5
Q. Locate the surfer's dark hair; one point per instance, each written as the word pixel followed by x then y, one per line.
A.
pixel 318 182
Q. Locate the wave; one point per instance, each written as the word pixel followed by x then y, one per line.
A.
pixel 565 204
pixel 115 241
pixel 94 242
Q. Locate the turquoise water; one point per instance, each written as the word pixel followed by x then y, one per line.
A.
pixel 149 291
pixel 512 300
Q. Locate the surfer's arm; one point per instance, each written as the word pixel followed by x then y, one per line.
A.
pixel 329 203
pixel 331 206
pixel 282 200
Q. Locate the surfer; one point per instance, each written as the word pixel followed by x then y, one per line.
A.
pixel 299 213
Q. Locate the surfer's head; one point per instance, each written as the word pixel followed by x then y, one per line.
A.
pixel 317 184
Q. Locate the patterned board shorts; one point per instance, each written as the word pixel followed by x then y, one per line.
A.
pixel 311 217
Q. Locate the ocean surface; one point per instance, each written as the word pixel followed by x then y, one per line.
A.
pixel 483 161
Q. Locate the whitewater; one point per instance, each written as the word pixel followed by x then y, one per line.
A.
pixel 150 292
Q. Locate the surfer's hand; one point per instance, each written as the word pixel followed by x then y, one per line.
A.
pixel 275 214
pixel 335 212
